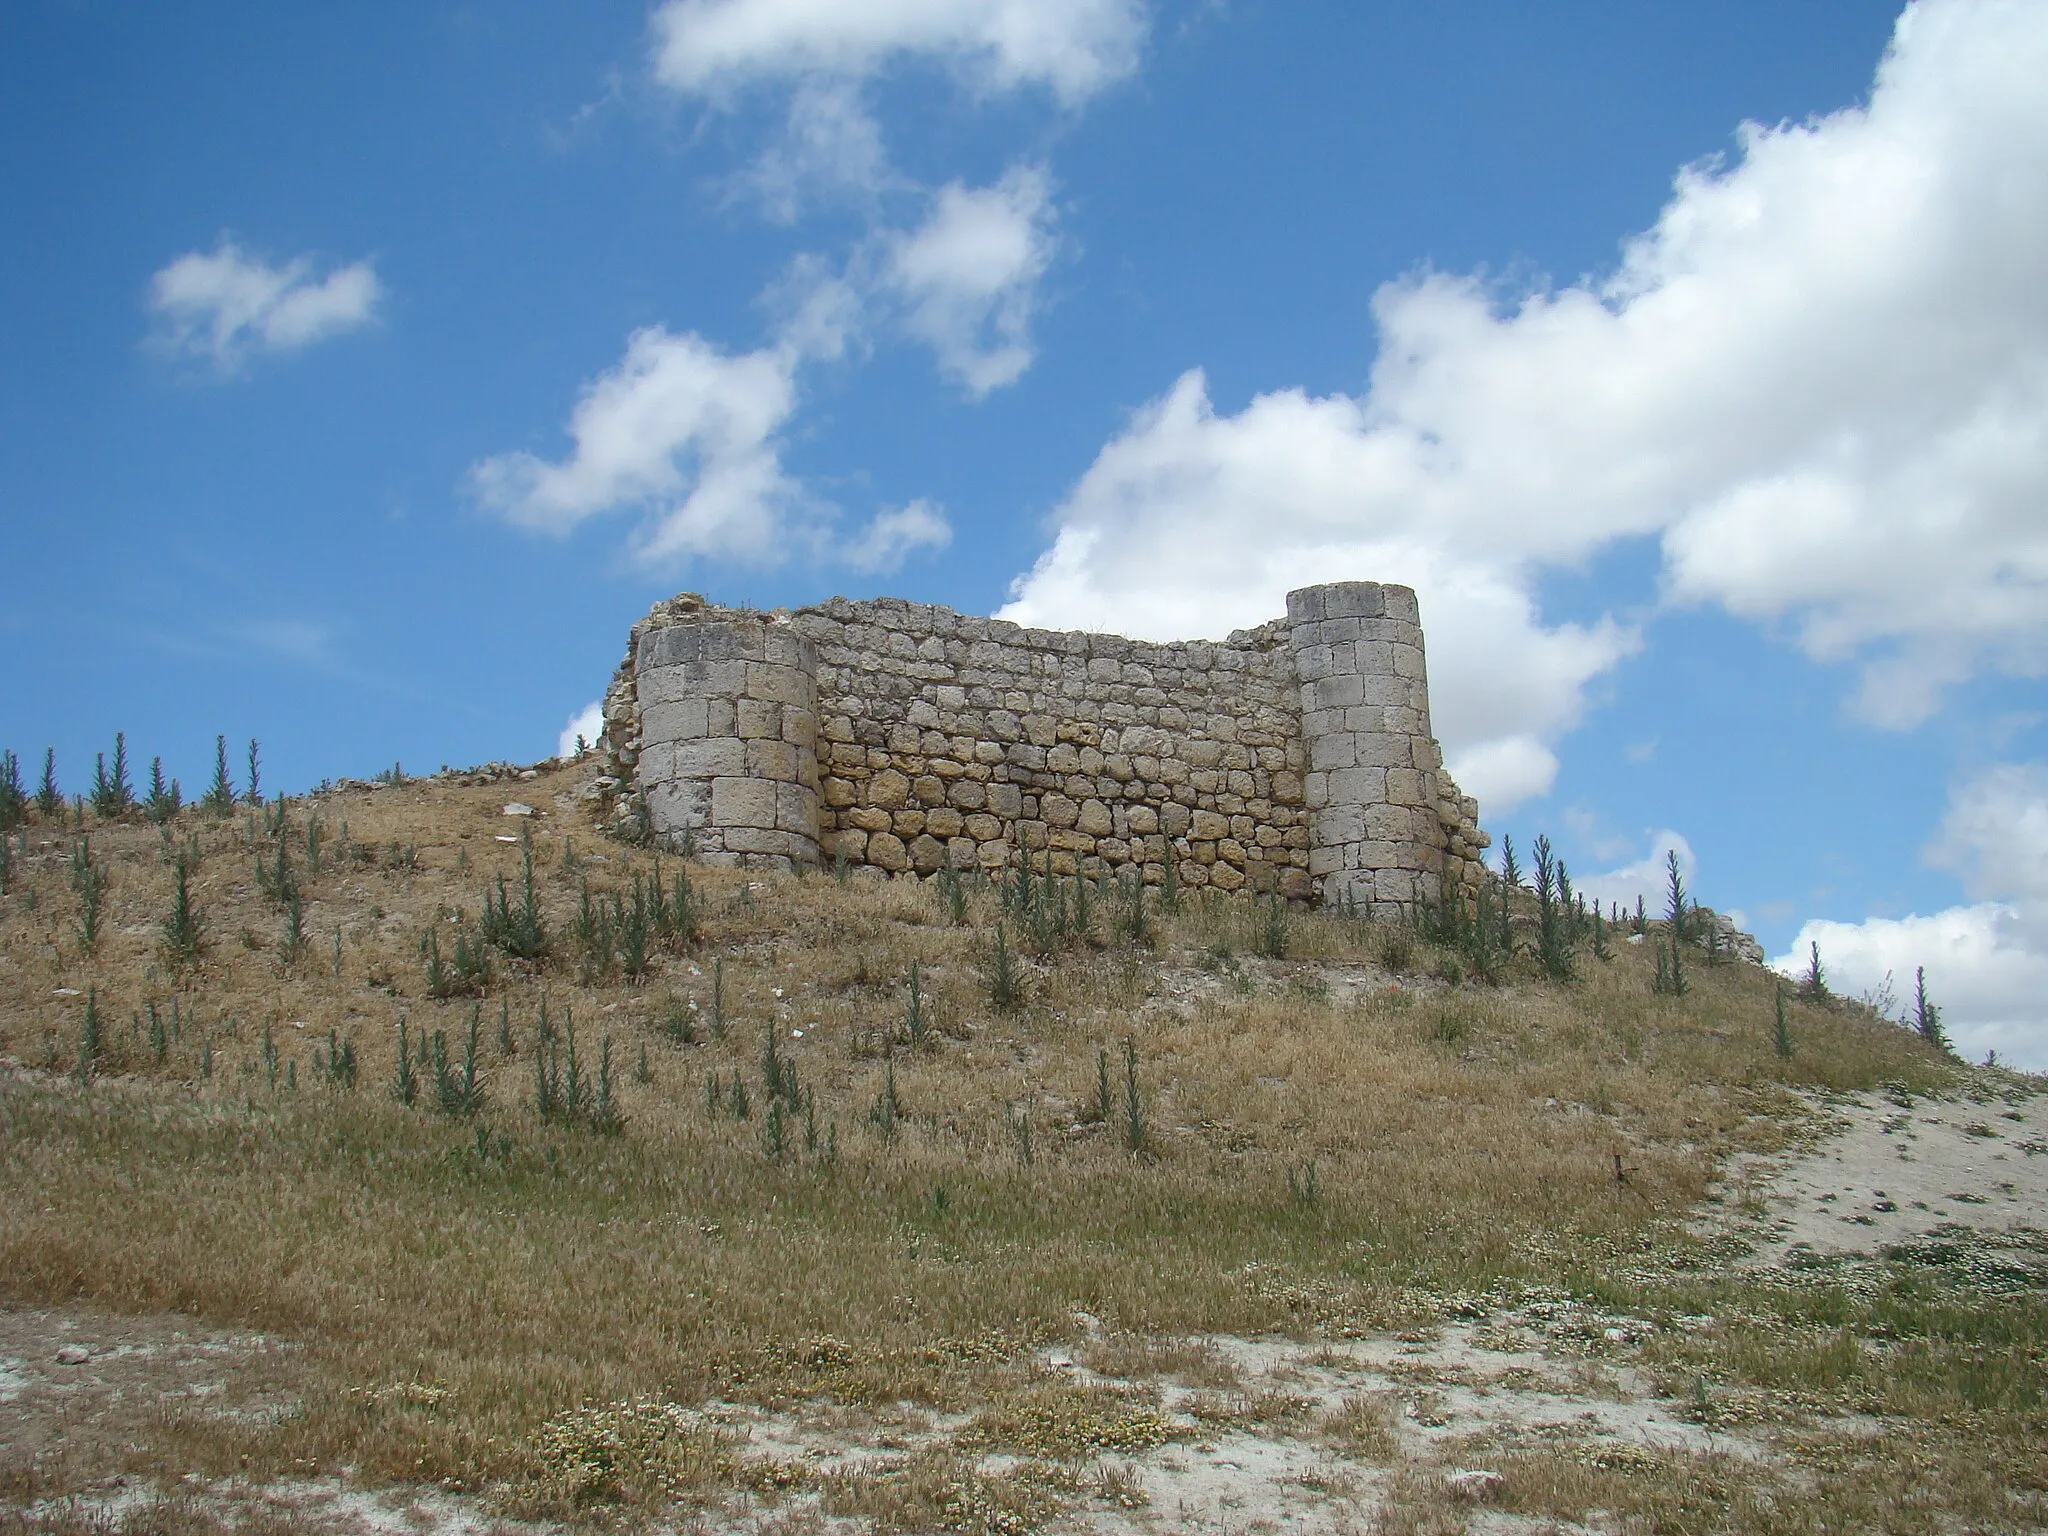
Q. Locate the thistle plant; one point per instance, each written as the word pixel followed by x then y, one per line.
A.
pixel 1273 930
pixel 1782 1039
pixel 219 798
pixel 1104 1104
pixel 113 796
pixel 1134 1111
pixel 1002 973
pixel 13 798
pixel 49 798
pixel 164 798
pixel 406 1085
pixel 294 927
pixel 92 1044
pixel 887 1110
pixel 255 773
pixel 89 880
pixel 1927 1017
pixel 340 1065
pixel 1813 986
pixel 181 928
pixel 1553 944
pixel 1510 871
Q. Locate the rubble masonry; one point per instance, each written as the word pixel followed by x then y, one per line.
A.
pixel 1294 758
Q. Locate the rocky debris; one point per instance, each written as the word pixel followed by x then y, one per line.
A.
pixel 1474 1484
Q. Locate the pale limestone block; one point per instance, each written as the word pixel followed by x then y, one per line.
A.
pixel 684 720
pixel 850 842
pixel 1379 750
pixel 907 824
pixel 774 684
pixel 984 828
pixel 1342 824
pixel 1226 877
pixel 945 822
pixel 1405 787
pixel 967 795
pixel 1095 819
pixel 742 802
pixel 772 760
pixel 1006 800
pixel 929 789
pixel 1209 827
pixel 1358 786
pixel 758 720
pixel 889 790
pixel 722 718
pixel 678 804
pixel 1141 820
pixel 886 851
pixel 1333 751
pixel 710 757
pixel 867 818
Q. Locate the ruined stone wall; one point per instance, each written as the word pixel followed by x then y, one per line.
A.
pixel 1295 758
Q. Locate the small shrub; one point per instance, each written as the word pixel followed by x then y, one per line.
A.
pixel 49 798
pixel 181 928
pixel 219 798
pixel 1002 973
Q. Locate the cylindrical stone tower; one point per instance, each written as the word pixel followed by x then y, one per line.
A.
pixel 1376 839
pixel 728 729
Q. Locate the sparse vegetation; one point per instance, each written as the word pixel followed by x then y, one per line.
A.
pixel 1365 1126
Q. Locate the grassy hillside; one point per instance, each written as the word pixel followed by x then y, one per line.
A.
pixel 714 1150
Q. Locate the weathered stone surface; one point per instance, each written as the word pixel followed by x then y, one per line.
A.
pixel 1295 757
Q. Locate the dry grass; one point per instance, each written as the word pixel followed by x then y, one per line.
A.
pixel 459 1285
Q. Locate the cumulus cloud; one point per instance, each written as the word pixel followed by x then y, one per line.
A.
pixel 1193 524
pixel 225 304
pixel 586 725
pixel 1072 47
pixel 895 534
pixel 1820 381
pixel 968 276
pixel 680 431
pixel 1987 962
pixel 1646 880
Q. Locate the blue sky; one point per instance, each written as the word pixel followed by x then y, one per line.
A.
pixel 365 371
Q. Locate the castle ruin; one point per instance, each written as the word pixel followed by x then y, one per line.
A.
pixel 1295 758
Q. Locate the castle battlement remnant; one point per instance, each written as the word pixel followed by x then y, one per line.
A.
pixel 1295 758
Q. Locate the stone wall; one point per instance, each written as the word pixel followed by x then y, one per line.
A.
pixel 1294 758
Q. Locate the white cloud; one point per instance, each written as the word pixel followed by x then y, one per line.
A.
pixel 1194 524
pixel 830 149
pixel 680 431
pixel 587 724
pixel 1072 47
pixel 225 305
pixel 1987 970
pixel 1987 962
pixel 894 534
pixel 1647 879
pixel 1821 379
pixel 968 276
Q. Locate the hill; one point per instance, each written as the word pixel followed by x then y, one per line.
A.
pixel 452 1156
